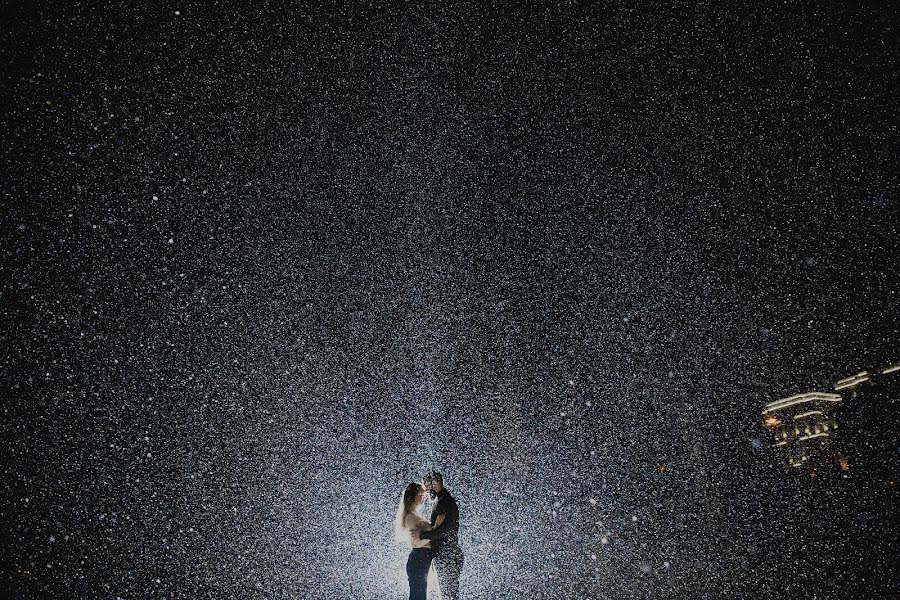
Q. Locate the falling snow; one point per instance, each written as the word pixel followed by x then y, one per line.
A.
pixel 263 268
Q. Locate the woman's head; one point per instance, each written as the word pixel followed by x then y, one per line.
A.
pixel 413 496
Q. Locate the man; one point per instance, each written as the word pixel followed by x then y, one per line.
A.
pixel 448 556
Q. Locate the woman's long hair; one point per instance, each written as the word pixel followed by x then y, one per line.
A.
pixel 406 506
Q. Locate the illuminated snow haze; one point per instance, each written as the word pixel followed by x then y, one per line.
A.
pixel 263 266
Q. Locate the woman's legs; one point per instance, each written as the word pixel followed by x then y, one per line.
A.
pixel 417 566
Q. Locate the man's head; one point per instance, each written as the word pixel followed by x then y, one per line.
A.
pixel 433 482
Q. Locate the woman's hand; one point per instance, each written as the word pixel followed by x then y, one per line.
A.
pixel 438 521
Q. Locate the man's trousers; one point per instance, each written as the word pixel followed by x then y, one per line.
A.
pixel 448 563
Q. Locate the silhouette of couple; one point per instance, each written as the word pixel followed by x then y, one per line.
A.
pixel 430 541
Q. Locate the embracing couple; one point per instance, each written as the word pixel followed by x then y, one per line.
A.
pixel 435 541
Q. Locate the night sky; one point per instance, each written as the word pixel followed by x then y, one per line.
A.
pixel 262 266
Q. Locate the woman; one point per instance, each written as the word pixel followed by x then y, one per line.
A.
pixel 407 525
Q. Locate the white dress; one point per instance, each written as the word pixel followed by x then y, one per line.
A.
pixel 415 522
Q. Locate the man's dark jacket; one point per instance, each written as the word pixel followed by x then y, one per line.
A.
pixel 447 533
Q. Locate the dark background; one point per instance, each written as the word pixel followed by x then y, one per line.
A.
pixel 264 265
